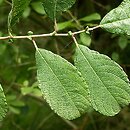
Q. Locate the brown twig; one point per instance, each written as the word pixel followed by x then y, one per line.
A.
pixel 48 35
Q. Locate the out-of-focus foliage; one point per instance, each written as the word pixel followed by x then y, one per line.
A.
pixel 27 110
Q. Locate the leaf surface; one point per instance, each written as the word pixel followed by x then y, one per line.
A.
pixel 62 85
pixel 118 20
pixel 54 7
pixel 18 6
pixel 3 104
pixel 107 82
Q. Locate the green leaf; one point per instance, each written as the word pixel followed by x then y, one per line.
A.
pixel 85 39
pixel 26 12
pixel 62 85
pixel 107 83
pixel 54 8
pixel 31 90
pixel 18 103
pixel 118 20
pixel 18 7
pixel 37 6
pixel 14 110
pixel 3 104
pixel 115 56
pixel 26 90
pixel 64 25
pixel 91 17
pixel 122 42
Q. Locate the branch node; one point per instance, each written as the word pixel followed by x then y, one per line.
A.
pixel 54 33
pixel 70 33
pixel 30 33
pixel 87 30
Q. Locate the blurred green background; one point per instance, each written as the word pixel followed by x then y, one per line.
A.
pixel 27 109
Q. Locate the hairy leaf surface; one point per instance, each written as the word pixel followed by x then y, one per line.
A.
pixel 118 20
pixel 3 104
pixel 107 83
pixel 62 85
pixel 54 7
pixel 18 6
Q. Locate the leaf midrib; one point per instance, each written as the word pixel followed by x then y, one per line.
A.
pixel 96 73
pixel 55 1
pixel 102 24
pixel 58 80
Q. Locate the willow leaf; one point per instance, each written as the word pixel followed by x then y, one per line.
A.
pixel 62 85
pixel 107 82
pixel 3 104
pixel 118 20
pixel 54 7
pixel 18 6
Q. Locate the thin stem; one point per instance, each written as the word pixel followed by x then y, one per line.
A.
pixel 71 124
pixel 75 41
pixel 34 43
pixel 55 26
pixel 99 4
pixel 76 20
pixel 6 1
pixel 89 29
pixel 93 28
pixel 48 35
